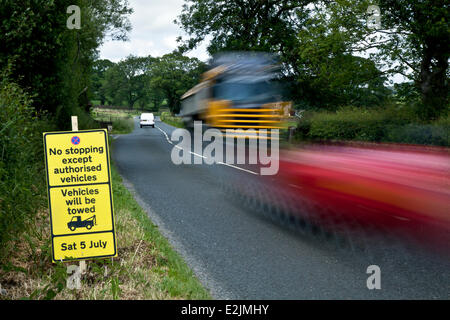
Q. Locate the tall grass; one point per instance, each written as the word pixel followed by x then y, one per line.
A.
pixel 168 118
pixel 123 125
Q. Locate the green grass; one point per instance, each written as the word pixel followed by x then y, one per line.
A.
pixel 171 120
pixel 147 267
pixel 122 125
pixel 122 121
pixel 174 276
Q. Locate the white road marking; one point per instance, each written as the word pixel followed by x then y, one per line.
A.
pixel 235 167
pixel 176 146
pixel 167 137
pixel 201 156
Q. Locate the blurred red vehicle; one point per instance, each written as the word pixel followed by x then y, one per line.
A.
pixel 403 189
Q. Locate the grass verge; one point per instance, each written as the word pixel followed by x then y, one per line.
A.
pixel 122 126
pixel 171 120
pixel 122 121
pixel 146 267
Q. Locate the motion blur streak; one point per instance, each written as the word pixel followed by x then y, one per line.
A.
pixel 402 189
pixel 239 91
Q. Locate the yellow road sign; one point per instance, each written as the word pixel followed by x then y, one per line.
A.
pixel 80 195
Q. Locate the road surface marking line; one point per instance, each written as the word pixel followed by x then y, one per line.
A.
pixel 239 168
pixel 196 154
pixel 167 137
pixel 201 156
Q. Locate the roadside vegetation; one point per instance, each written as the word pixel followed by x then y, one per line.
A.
pixel 333 54
pixel 47 75
pixel 145 83
pixel 338 66
pixel 121 120
pixel 147 267
pixel 396 124
pixel 22 184
pixel 174 121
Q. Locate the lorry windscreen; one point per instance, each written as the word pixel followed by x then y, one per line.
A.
pixel 240 92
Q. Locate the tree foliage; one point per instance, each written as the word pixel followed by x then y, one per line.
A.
pixel 49 60
pixel 98 79
pixel 313 47
pixel 416 42
pixel 126 81
pixel 173 74
pixel 331 55
pixel 148 81
pixel 244 25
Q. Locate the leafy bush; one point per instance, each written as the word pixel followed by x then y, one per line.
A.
pixel 431 134
pixel 392 124
pixel 22 182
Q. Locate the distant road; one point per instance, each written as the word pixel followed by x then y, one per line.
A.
pixel 237 254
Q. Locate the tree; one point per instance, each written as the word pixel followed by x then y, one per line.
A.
pixel 416 36
pixel 100 67
pixel 126 81
pixel 413 40
pixel 148 81
pixel 330 69
pixel 51 61
pixel 256 25
pixel 321 42
pixel 173 74
pixel 154 94
pixel 315 45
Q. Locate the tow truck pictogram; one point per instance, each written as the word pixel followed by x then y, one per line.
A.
pixel 76 222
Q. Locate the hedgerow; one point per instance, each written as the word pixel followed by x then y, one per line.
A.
pixel 22 184
pixel 391 124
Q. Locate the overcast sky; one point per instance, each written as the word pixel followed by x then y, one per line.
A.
pixel 154 32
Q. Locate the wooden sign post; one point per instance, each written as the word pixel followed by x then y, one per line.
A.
pixel 82 264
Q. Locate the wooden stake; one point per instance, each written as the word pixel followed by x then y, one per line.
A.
pixel 75 128
pixel 74 123
pixel 82 266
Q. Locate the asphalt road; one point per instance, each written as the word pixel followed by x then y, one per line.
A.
pixel 237 254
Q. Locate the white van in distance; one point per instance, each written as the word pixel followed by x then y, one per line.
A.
pixel 147 119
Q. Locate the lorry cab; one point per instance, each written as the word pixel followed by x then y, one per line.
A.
pixel 239 91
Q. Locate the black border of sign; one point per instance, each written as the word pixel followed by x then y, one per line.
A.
pixel 45 134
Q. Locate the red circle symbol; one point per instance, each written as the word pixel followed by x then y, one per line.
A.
pixel 75 140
